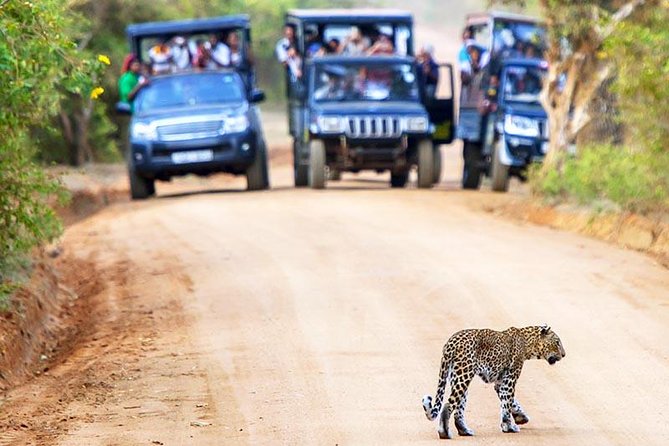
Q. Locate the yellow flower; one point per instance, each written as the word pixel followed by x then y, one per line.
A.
pixel 97 91
pixel 104 59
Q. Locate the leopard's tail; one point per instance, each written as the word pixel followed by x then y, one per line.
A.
pixel 431 411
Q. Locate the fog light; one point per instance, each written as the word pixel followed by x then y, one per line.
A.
pixel 138 156
pixel 246 147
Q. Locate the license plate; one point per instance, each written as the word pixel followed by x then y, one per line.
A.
pixel 193 156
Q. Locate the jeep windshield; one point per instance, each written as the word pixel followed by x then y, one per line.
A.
pixel 361 81
pixel 522 83
pixel 190 90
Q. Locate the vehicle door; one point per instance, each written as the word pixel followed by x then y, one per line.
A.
pixel 440 106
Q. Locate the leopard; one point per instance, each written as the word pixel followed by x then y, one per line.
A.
pixel 497 357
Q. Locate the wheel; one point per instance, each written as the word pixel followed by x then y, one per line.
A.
pixel 500 172
pixel 425 164
pixel 257 177
pixel 399 179
pixel 334 175
pixel 301 173
pixel 437 164
pixel 471 171
pixel 316 164
pixel 140 187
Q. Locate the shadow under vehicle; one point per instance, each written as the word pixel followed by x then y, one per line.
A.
pixel 195 121
pixel 503 129
pixel 352 113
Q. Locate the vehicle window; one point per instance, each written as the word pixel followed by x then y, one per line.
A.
pixel 523 84
pixel 190 90
pixel 365 82
pixel 341 33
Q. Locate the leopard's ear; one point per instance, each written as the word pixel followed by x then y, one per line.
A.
pixel 545 329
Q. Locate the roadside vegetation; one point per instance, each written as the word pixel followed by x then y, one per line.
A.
pixel 608 86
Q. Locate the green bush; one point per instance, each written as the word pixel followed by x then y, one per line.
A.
pixel 635 181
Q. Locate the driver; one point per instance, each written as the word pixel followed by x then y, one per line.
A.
pixel 331 90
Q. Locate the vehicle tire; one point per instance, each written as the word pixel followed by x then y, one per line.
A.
pixel 334 175
pixel 140 188
pixel 257 177
pixel 317 164
pixel 471 171
pixel 398 180
pixel 437 164
pixel 425 164
pixel 500 172
pixel 301 173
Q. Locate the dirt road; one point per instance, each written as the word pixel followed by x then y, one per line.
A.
pixel 318 317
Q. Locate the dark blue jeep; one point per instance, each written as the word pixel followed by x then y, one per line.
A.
pixel 195 121
pixel 349 113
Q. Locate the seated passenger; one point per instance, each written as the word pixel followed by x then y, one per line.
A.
pixel 202 58
pixel 161 58
pixel 331 90
pixel 235 49
pixel 181 56
pixel 313 42
pixel 131 81
pixel 383 45
pixel 355 44
pixel 219 52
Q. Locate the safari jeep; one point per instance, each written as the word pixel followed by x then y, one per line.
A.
pixel 195 121
pixel 500 121
pixel 353 113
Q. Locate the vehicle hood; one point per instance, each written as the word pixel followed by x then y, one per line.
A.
pixel 375 108
pixel 197 110
pixel 528 110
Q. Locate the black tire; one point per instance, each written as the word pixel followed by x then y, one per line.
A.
pixel 398 180
pixel 140 188
pixel 500 172
pixel 425 164
pixel 301 173
pixel 317 164
pixel 471 171
pixel 257 177
pixel 437 164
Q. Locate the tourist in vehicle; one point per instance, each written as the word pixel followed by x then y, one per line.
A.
pixel 313 42
pixel 331 90
pixel 181 55
pixel 294 63
pixel 383 45
pixel 463 54
pixel 429 69
pixel 471 66
pixel 284 44
pixel 235 49
pixel 202 58
pixel 160 56
pixel 131 81
pixel 355 44
pixel 332 46
pixel 219 53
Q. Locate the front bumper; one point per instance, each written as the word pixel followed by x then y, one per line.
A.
pixel 520 151
pixel 231 153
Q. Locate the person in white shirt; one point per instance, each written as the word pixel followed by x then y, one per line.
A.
pixel 220 53
pixel 282 46
pixel 181 56
pixel 235 49
pixel 161 58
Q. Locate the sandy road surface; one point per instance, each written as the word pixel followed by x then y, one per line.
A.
pixel 318 317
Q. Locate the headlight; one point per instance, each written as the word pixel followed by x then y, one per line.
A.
pixel 521 126
pixel 141 130
pixel 419 124
pixel 330 124
pixel 235 124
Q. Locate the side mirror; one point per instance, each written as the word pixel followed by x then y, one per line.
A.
pixel 123 108
pixel 257 96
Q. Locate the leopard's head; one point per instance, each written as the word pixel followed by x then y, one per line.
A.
pixel 546 345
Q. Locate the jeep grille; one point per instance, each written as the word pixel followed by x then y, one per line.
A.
pixel 188 130
pixel 373 127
